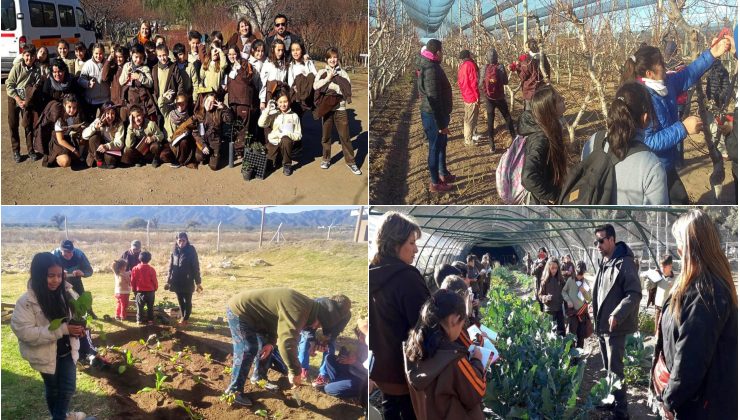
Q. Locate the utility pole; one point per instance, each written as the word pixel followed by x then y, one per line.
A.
pixel 262 225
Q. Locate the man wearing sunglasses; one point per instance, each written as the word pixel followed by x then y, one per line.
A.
pixel 282 33
pixel 616 302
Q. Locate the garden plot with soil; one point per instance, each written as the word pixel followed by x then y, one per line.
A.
pixel 161 372
pixel 195 359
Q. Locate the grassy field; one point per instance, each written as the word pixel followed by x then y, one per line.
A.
pixel 313 267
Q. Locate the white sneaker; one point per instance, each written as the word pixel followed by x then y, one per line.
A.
pixel 324 164
pixel 77 415
pixel 355 170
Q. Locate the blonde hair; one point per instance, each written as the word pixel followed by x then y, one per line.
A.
pixel 698 240
pixel 394 231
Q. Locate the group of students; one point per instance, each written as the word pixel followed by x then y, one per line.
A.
pixel 644 127
pixel 261 321
pixel 423 368
pixel 147 103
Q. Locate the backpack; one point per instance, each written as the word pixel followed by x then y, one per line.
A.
pixel 509 173
pixel 494 81
pixel 594 179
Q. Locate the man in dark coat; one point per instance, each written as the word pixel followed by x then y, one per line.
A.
pixel 184 275
pixel 616 303
pixel 436 106
pixel 131 255
pixel 282 33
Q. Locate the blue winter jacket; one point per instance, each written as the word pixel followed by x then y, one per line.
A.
pixel 668 130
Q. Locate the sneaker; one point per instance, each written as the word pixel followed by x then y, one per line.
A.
pixel 319 382
pixel 34 156
pixel 17 157
pixel 324 164
pixel 242 400
pixel 76 415
pixel 355 170
pixel 287 171
pixel 138 164
pixel 441 187
pixel 304 375
pixel 175 165
pixel 155 163
pixel 448 179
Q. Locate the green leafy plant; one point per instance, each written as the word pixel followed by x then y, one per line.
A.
pixel 536 376
pixel 121 369
pixel 175 357
pixel 227 370
pixel 208 358
pixel 160 377
pixel 228 397
pixel 646 322
pixel 179 368
pixel 637 361
pixel 80 308
pixel 193 415
pixel 142 342
pixel 261 413
pixel 130 359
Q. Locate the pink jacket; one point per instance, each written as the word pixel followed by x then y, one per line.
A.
pixel 467 80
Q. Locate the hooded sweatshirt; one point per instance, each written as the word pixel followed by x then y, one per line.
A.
pixel 397 293
pixel 447 385
pixel 537 174
pixel 502 78
pixel 617 293
pixel 641 179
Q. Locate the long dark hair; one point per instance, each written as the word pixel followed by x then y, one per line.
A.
pixel 645 58
pixel 544 111
pixel 428 334
pixel 280 63
pixel 53 303
pixel 631 102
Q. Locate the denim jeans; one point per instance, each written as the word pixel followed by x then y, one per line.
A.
pixel 246 347
pixel 60 387
pixel 343 381
pixel 304 351
pixel 437 159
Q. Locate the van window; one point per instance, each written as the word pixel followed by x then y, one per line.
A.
pixel 43 15
pixel 8 15
pixel 66 16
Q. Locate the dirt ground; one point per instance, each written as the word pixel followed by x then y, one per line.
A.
pixel 30 183
pixel 398 152
pixel 199 382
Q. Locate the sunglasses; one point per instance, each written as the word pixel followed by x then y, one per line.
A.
pixel 277 25
pixel 600 240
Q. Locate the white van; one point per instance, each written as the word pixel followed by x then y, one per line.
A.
pixel 42 23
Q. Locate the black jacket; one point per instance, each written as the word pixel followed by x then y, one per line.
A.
pixel 537 174
pixel 184 270
pixel 701 353
pixel 397 293
pixel 435 91
pixel 617 293
pixel 718 83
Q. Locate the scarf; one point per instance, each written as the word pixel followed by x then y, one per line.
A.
pixel 60 86
pixel 429 55
pixel 657 85
pixel 141 39
pixel 163 66
pixel 178 117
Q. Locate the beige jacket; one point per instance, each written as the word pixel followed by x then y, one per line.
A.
pixel 37 344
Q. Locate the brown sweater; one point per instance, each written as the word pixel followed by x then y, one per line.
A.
pixel 240 88
pixel 111 73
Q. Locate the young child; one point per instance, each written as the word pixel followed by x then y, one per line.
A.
pixel 301 75
pixel 274 70
pixel 112 70
pixel 144 285
pixel 65 147
pixel 211 115
pixel 91 79
pixel 63 53
pixel 333 79
pixel 550 293
pixel 122 287
pixel 105 138
pixel 443 382
pixel 212 71
pixel 80 59
pixel 136 82
pixel 284 128
pixel 183 153
pixel 146 132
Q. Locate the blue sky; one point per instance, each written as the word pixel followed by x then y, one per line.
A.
pixel 298 209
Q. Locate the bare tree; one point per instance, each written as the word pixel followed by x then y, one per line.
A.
pixel 58 220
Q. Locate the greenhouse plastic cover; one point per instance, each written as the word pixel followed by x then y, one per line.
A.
pixel 428 15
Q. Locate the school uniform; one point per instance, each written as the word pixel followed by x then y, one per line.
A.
pixel 134 135
pixel 109 136
pixel 184 151
pixel 241 90
pixel 165 78
pixel 19 79
pixel 284 132
pixel 138 92
pixel 330 80
pixel 71 135
pixel 211 136
pixel 271 73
